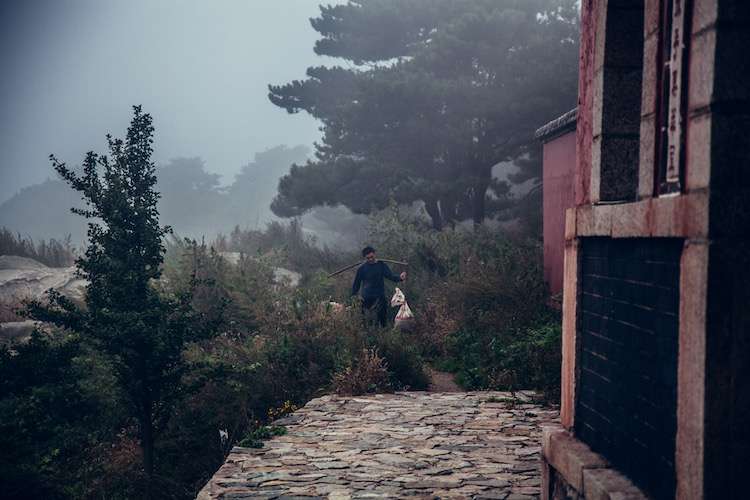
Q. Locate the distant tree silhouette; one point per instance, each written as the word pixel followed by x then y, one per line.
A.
pixel 191 201
pixel 256 184
pixel 436 93
pixel 42 211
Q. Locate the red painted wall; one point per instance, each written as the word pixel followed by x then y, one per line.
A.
pixel 559 165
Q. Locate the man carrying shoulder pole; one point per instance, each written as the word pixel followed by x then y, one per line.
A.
pixel 370 276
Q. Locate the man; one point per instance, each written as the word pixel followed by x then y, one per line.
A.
pixel 370 275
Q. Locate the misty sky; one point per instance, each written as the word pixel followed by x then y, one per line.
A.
pixel 71 70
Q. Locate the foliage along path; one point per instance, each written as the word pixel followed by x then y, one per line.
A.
pixel 480 445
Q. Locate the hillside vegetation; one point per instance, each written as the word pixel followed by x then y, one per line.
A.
pixel 481 309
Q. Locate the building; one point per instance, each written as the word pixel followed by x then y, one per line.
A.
pixel 656 301
pixel 559 158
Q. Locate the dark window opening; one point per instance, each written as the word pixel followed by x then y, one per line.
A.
pixel 621 101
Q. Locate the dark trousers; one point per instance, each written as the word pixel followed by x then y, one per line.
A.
pixel 374 307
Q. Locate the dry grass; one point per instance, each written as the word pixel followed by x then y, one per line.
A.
pixel 366 374
pixel 53 253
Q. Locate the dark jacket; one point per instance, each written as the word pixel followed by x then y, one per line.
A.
pixel 370 276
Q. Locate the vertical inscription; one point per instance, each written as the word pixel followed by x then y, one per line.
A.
pixel 674 133
pixel 672 130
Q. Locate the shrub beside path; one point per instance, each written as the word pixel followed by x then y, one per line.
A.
pixel 436 445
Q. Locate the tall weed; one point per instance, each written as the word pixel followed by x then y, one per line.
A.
pixel 52 253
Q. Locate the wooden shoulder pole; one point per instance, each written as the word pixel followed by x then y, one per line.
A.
pixel 360 262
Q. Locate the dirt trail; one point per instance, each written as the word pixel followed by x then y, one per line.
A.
pixel 442 381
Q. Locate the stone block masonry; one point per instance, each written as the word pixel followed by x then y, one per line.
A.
pixel 477 445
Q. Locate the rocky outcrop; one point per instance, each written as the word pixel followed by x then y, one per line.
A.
pixel 21 278
pixel 16 331
pixel 280 275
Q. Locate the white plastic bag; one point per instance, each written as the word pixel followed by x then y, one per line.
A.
pixel 404 317
pixel 398 298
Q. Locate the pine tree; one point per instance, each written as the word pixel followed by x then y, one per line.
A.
pixel 441 92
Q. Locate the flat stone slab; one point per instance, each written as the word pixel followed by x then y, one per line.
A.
pixel 408 444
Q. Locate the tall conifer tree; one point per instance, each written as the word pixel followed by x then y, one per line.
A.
pixel 436 94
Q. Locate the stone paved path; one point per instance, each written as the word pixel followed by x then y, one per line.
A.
pixel 477 445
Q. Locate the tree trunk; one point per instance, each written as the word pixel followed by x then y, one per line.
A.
pixel 431 207
pixel 147 443
pixel 478 199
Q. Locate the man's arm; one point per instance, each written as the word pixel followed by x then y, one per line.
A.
pixel 389 274
pixel 357 282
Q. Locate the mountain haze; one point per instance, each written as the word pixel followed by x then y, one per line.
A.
pixel 192 203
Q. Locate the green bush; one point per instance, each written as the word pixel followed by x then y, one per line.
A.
pixel 254 439
pixel 481 303
pixel 481 311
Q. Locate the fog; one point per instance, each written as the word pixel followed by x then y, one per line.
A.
pixel 73 69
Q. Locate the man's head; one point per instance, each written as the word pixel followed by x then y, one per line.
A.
pixel 369 254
